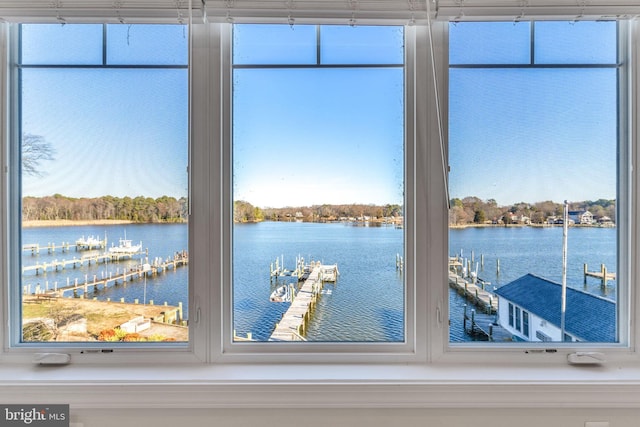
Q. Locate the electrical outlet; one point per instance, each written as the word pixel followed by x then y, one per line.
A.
pixel 596 424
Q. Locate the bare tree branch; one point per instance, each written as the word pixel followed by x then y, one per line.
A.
pixel 35 149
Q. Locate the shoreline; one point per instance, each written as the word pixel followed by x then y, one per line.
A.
pixel 101 315
pixel 463 226
pixel 71 223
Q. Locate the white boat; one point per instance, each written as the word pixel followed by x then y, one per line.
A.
pixel 281 294
pixel 90 242
pixel 126 247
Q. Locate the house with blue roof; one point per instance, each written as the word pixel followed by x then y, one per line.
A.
pixel 530 308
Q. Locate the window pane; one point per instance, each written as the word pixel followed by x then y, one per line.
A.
pixel 61 44
pixel 522 141
pixel 274 44
pixel 494 43
pixel 104 186
pixel 581 42
pixel 362 45
pixel 147 44
pixel 318 181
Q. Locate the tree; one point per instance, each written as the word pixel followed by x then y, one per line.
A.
pixel 538 217
pixel 35 149
pixel 246 212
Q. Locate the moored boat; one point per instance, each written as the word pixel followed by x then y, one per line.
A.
pixel 126 247
pixel 90 242
pixel 281 294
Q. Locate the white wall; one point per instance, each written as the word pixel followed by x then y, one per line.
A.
pixel 355 417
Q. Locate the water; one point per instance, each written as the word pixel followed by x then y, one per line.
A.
pixel 162 241
pixel 536 250
pixel 366 303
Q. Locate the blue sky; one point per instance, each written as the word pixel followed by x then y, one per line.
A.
pixel 304 137
pixel 524 134
pixel 331 135
pixel 318 135
pixel 120 132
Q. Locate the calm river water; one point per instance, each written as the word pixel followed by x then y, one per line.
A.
pixel 366 303
pixel 536 250
pixel 162 241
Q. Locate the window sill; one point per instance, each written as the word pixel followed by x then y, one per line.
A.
pixel 319 386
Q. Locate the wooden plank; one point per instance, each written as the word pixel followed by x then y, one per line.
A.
pixel 156 269
pixel 293 323
pixel 479 297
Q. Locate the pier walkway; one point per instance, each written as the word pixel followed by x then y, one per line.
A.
pixel 474 293
pixel 56 265
pixel 141 270
pixel 82 244
pixel 293 324
pixel 484 327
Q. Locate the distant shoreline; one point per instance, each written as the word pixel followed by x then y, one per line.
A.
pixel 461 226
pixel 71 223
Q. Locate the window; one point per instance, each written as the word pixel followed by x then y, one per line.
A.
pixel 543 337
pixel 111 120
pixel 331 122
pixel 534 142
pixel 249 103
pixel 318 183
pixel 103 125
pixel 511 310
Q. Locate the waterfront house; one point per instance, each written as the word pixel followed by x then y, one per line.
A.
pixel 581 217
pixel 557 220
pixel 530 308
pixel 605 221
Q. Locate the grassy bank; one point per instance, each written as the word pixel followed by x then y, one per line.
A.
pixel 99 316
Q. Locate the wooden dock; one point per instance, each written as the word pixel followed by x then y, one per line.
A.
pixel 56 265
pixel 603 275
pixel 80 245
pixel 483 327
pixel 475 293
pixel 294 322
pixel 141 270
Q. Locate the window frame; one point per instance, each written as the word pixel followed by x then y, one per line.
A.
pixel 209 177
pixel 511 310
pixel 13 349
pixel 628 236
pixel 413 348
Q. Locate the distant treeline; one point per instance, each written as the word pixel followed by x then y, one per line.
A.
pixel 473 210
pixel 136 209
pixel 246 212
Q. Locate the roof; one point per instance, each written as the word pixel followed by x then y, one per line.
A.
pixel 588 317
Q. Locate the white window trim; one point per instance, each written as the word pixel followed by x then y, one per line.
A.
pixel 413 349
pixel 192 352
pixel 629 234
pixel 210 197
pixel 540 380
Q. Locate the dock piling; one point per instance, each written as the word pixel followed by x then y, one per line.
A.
pixel 603 275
